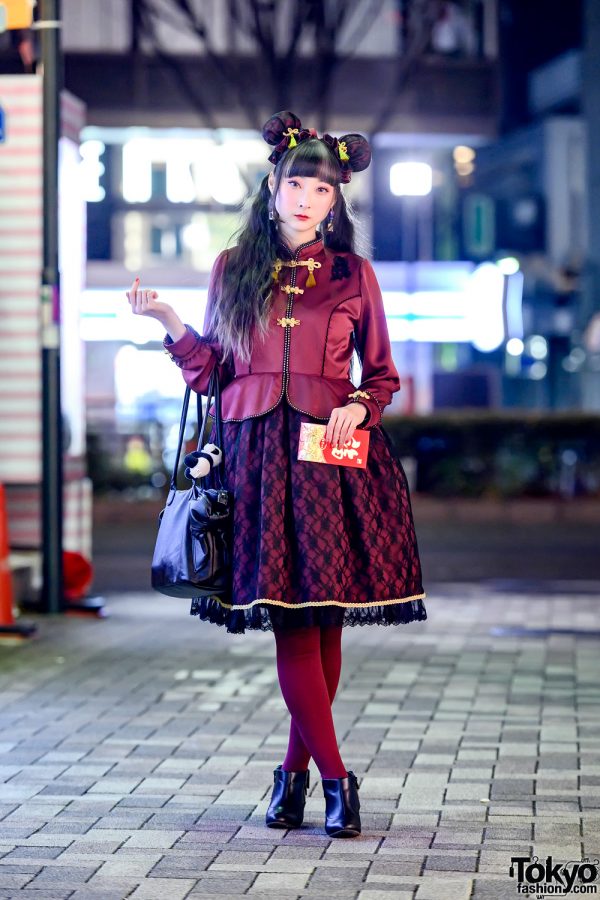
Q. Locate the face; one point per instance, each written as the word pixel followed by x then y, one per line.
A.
pixel 302 203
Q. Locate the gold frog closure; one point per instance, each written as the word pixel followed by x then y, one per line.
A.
pixel 310 263
pixel 367 396
pixel 288 321
pixel 358 394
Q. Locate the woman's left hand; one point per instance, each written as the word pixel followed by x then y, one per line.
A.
pixel 343 423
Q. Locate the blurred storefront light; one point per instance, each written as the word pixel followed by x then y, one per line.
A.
pixel 168 244
pixel 464 169
pixel 196 169
pixel 227 186
pixel 464 162
pixel 143 373
pixel 411 179
pixel 137 172
pixel 16 14
pixel 508 265
pixel 133 241
pixel 196 237
pixel 486 291
pixel 575 360
pixel 424 302
pixel 538 371
pixel 91 170
pixel 537 346
pixel 515 347
pixel 513 302
pixel 463 155
pixel 195 233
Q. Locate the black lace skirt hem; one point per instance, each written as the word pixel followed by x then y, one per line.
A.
pixel 263 616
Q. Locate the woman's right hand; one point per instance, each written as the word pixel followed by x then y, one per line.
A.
pixel 145 303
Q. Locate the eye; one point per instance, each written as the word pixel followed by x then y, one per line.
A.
pixel 292 181
pixel 325 189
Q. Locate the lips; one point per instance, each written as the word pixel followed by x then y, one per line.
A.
pixel 301 217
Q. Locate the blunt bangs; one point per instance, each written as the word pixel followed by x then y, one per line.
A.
pixel 312 159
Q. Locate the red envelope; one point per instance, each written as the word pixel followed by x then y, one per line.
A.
pixel 313 448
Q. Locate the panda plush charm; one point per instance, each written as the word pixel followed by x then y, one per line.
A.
pixel 199 462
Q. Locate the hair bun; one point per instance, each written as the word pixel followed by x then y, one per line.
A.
pixel 274 129
pixel 358 150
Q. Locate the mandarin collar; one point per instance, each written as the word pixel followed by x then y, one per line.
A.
pixel 310 248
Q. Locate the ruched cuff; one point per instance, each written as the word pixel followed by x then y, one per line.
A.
pixel 183 348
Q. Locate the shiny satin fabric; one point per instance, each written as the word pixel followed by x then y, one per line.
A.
pixel 343 311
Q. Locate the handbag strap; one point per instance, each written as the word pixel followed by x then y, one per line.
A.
pixel 214 389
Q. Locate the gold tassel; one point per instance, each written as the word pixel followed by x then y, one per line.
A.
pixel 342 151
pixel 290 134
pixel 312 265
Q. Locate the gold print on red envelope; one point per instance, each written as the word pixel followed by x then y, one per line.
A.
pixel 312 447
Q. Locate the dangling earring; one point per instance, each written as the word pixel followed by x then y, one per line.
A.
pixel 330 220
pixel 271 214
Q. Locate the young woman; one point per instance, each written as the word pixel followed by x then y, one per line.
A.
pixel 316 547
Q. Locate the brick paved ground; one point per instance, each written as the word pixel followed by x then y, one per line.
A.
pixel 136 755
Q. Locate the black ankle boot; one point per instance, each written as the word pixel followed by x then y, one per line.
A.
pixel 286 809
pixel 342 818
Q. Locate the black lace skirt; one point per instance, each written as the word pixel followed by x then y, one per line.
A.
pixel 314 544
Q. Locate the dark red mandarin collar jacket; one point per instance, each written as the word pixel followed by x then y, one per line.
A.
pixel 306 354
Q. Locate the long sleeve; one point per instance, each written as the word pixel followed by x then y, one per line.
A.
pixel 380 379
pixel 195 355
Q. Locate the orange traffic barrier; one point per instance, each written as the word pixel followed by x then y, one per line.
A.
pixel 8 626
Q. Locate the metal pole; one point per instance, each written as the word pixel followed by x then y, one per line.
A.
pixel 52 478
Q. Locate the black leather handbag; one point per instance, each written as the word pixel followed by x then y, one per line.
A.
pixel 193 551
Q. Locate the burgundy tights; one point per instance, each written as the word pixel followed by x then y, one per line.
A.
pixel 309 661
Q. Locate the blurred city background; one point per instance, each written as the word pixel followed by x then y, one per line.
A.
pixel 481 212
pixel 136 748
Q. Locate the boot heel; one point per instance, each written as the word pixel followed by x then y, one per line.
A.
pixel 342 804
pixel 286 809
